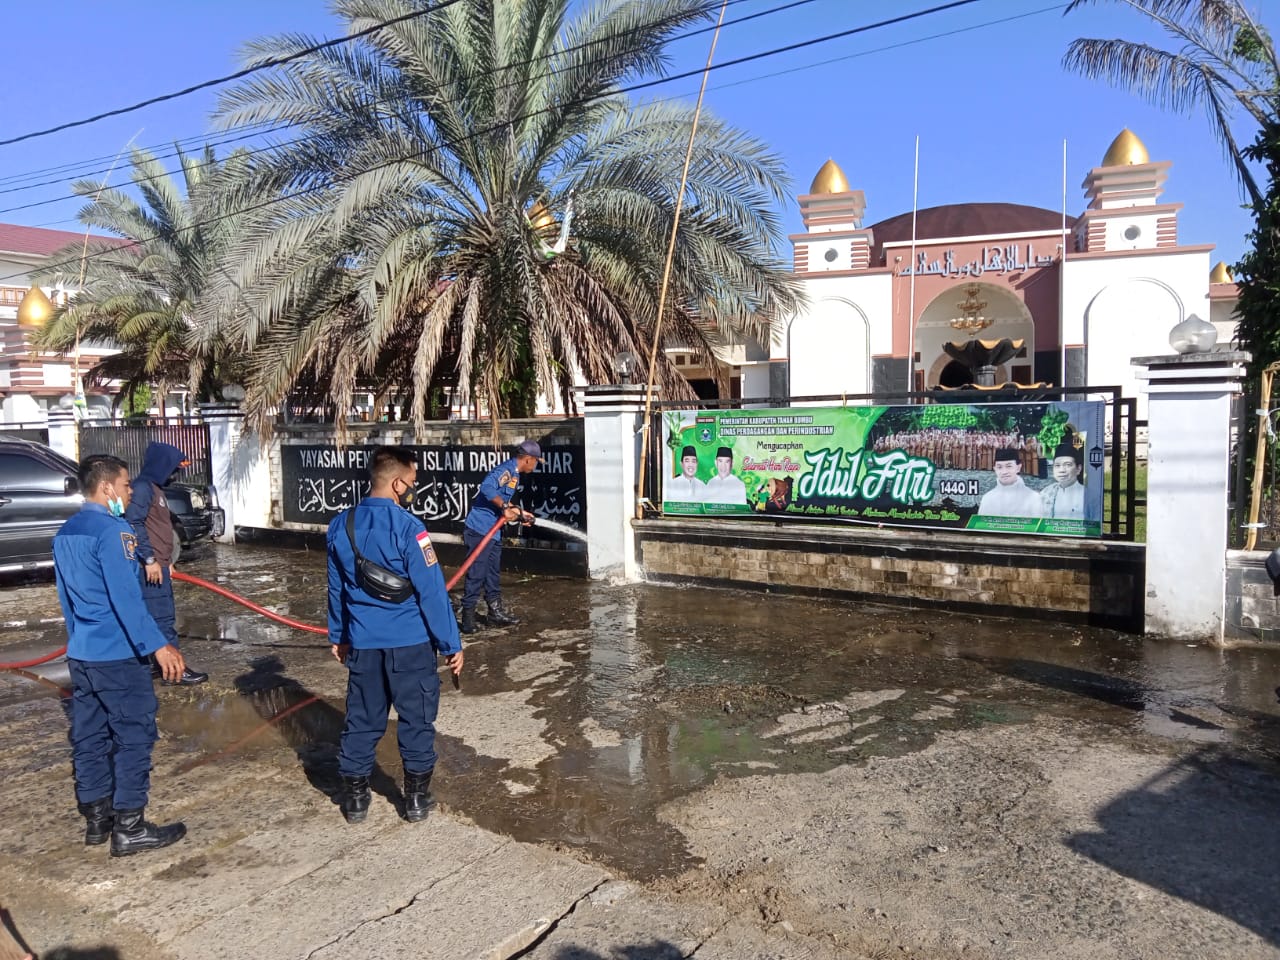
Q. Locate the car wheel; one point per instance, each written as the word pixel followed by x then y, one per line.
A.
pixel 177 545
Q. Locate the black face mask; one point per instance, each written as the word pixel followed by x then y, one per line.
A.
pixel 406 499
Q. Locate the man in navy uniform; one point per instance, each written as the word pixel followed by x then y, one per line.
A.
pixel 152 523
pixel 110 635
pixel 387 625
pixel 493 500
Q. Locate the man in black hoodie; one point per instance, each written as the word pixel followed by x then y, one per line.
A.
pixel 148 513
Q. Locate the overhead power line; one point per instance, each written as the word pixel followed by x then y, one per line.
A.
pixel 797 69
pixel 270 128
pixel 505 124
pixel 218 81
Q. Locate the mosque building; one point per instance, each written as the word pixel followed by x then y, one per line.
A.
pixel 1081 293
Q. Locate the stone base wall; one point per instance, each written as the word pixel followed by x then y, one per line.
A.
pixel 1092 582
pixel 1253 609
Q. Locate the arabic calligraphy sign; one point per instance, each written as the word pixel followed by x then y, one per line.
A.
pixel 320 481
pixel 999 260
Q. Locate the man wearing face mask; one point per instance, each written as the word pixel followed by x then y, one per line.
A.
pixel 152 523
pixel 109 638
pixel 389 618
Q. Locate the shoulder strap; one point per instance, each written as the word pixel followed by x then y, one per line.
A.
pixel 351 532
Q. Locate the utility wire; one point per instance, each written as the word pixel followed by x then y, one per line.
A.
pixel 790 70
pixel 218 81
pixel 277 127
pixel 505 124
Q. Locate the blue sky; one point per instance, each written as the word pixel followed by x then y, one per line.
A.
pixel 988 99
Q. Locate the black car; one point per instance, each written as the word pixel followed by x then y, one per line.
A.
pixel 39 491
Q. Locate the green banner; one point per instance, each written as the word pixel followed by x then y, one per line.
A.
pixel 999 467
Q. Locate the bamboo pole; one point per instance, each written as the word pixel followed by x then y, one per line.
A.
pixel 77 388
pixel 1259 454
pixel 666 269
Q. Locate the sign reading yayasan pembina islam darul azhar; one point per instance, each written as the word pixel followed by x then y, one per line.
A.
pixel 1007 467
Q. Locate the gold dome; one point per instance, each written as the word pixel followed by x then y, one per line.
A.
pixel 830 179
pixel 540 217
pixel 1220 274
pixel 35 309
pixel 1126 150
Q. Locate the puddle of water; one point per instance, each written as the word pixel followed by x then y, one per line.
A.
pixel 609 702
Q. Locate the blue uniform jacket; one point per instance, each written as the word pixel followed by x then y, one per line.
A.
pixel 391 537
pixel 95 558
pixel 158 464
pixel 502 481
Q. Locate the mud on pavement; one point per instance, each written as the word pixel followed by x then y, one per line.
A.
pixel 700 772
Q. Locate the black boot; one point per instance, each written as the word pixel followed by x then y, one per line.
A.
pixel 131 834
pixel 98 818
pixel 468 620
pixel 417 796
pixel 355 798
pixel 499 616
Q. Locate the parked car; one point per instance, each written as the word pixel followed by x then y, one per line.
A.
pixel 39 491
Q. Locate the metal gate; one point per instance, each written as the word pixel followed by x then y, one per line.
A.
pixel 129 441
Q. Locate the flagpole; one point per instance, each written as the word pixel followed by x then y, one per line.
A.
pixel 666 270
pixel 1062 277
pixel 911 309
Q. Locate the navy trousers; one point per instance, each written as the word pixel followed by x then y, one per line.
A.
pixel 482 576
pixel 113 727
pixel 378 678
pixel 159 600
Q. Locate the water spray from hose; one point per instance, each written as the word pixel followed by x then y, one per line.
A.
pixel 280 618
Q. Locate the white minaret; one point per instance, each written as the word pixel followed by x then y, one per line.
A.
pixel 1124 211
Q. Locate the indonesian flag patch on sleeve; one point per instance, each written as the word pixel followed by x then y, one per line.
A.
pixel 428 551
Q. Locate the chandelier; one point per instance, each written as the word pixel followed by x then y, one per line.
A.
pixel 971 319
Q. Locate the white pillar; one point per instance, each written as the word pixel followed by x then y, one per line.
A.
pixel 225 424
pixel 1189 401
pixel 63 436
pixel 612 417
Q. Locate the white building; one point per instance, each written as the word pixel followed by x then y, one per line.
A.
pixel 884 298
pixel 31 382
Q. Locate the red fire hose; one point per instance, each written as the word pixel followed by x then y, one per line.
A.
pixel 269 614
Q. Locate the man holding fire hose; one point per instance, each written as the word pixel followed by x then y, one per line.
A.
pixel 491 500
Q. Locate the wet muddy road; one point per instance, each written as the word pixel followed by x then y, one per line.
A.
pixel 703 743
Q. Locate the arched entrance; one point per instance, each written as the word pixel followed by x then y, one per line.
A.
pixel 1010 318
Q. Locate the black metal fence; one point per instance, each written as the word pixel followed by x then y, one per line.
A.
pixel 1124 493
pixel 128 441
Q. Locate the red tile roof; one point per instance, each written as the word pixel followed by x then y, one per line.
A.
pixel 38 241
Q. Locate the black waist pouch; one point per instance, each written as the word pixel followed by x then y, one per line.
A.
pixel 374 579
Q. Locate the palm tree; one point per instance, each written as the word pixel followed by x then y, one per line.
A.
pixel 140 295
pixel 1223 62
pixel 406 238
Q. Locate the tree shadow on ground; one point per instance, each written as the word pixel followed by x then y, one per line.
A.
pixel 311 727
pixel 1202 830
pixel 656 950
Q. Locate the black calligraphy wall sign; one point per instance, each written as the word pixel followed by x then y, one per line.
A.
pixel 319 481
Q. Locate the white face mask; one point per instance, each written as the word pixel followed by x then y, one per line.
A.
pixel 116 506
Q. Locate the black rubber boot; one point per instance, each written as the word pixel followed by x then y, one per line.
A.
pixel 417 796
pixel 355 798
pixel 468 620
pixel 131 834
pixel 500 616
pixel 98 818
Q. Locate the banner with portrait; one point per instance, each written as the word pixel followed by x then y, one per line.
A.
pixel 1005 467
